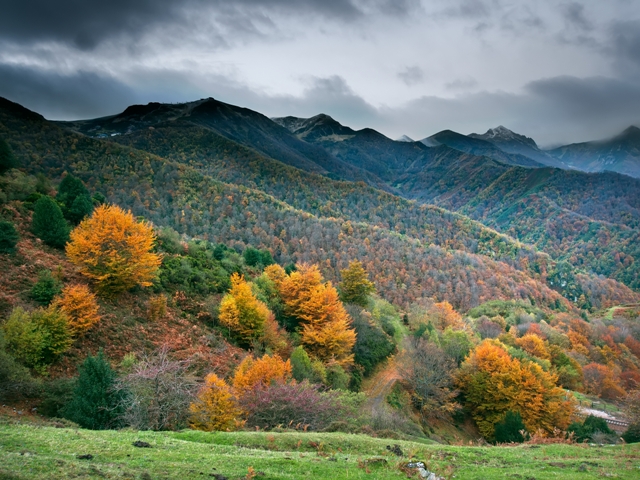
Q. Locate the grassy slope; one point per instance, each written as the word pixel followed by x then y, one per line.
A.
pixel 30 451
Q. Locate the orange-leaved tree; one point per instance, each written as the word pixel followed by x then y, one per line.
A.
pixel 242 313
pixel 261 373
pixel 494 383
pixel 114 250
pixel 534 345
pixel 80 305
pixel 443 315
pixel 215 407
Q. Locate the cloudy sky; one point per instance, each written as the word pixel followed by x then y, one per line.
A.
pixel 557 71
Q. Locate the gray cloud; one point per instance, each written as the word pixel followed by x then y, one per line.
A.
pixel 80 95
pixel 462 84
pixel 575 16
pixel 625 42
pixel 411 75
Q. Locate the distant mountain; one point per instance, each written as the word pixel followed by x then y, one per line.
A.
pixel 405 138
pixel 511 142
pixel 477 146
pixel 619 154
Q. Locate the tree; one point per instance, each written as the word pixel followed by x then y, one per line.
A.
pixel 7 159
pixel 48 223
pixel 355 286
pixel 8 237
pixel 96 401
pixel 252 256
pixel 81 207
pixel 601 380
pixel 15 379
pixel 429 374
pixel 242 313
pixel 443 315
pixel 80 305
pixel 588 428
pixel 494 383
pixel 114 250
pixel 69 189
pixel 260 373
pixel 510 428
pixel 215 407
pixel 534 345
pixel 46 288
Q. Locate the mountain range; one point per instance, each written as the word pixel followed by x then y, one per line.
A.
pixel 461 218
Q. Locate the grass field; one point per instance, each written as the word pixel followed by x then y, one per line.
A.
pixel 30 451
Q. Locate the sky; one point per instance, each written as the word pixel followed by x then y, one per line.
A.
pixel 559 72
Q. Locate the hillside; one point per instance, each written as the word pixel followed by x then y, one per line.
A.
pixel 619 154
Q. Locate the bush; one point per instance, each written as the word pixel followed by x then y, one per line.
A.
pixel 39 338
pixel 48 223
pixel 294 405
pixel 337 378
pixel 585 431
pixel 509 429
pixel 373 345
pixel 80 305
pixel 632 435
pixel 95 403
pixel 8 237
pixel 55 397
pixel 46 288
pixel 301 364
pixel 15 380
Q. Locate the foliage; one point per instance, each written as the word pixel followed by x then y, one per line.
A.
pixel 355 286
pixel 254 257
pixel 81 207
pixel 95 402
pixel 585 431
pixel 429 374
pixel 456 344
pixel 534 345
pixel 215 408
pixel 631 406
pixel 156 307
pixel 8 237
pixel 242 313
pixel 337 378
pixel 260 373
pixel 15 380
pixel 156 395
pixel 56 394
pixel 48 223
pixel 509 429
pixel 39 338
pixel 114 250
pixel 632 434
pixel 70 189
pixel 46 288
pixel 296 405
pixel 494 383
pixel 7 158
pixel 81 307
pixel 372 345
pixel 601 380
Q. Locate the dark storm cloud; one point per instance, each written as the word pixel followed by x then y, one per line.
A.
pixel 411 75
pixel 81 95
pixel 625 42
pixel 86 23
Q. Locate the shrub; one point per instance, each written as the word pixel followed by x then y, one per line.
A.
pixel 157 393
pixel 373 345
pixel 337 378
pixel 8 237
pixel 295 405
pixel 48 223
pixel 46 288
pixel 300 364
pixel 56 395
pixel 215 407
pixel 157 307
pixel 114 250
pixel 39 338
pixel 80 305
pixel 15 380
pixel 95 402
pixel 632 435
pixel 585 431
pixel 508 430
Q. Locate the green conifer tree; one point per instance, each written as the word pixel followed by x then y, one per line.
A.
pixel 49 224
pixel 8 237
pixel 69 189
pixel 509 430
pixel 81 207
pixel 96 402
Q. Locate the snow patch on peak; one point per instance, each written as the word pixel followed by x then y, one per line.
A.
pixel 405 138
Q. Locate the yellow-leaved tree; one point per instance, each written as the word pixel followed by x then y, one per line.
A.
pixel 80 305
pixel 114 250
pixel 215 407
pixel 494 383
pixel 242 313
pixel 324 324
pixel 355 286
pixel 261 373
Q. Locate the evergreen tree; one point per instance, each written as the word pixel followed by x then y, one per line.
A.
pixel 71 188
pixel 301 364
pixel 48 223
pixel 7 159
pixel 355 285
pixel 96 402
pixel 252 256
pixel 46 288
pixel 509 429
pixel 81 207
pixel 8 237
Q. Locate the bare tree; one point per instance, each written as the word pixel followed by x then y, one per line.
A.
pixel 157 393
pixel 428 371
